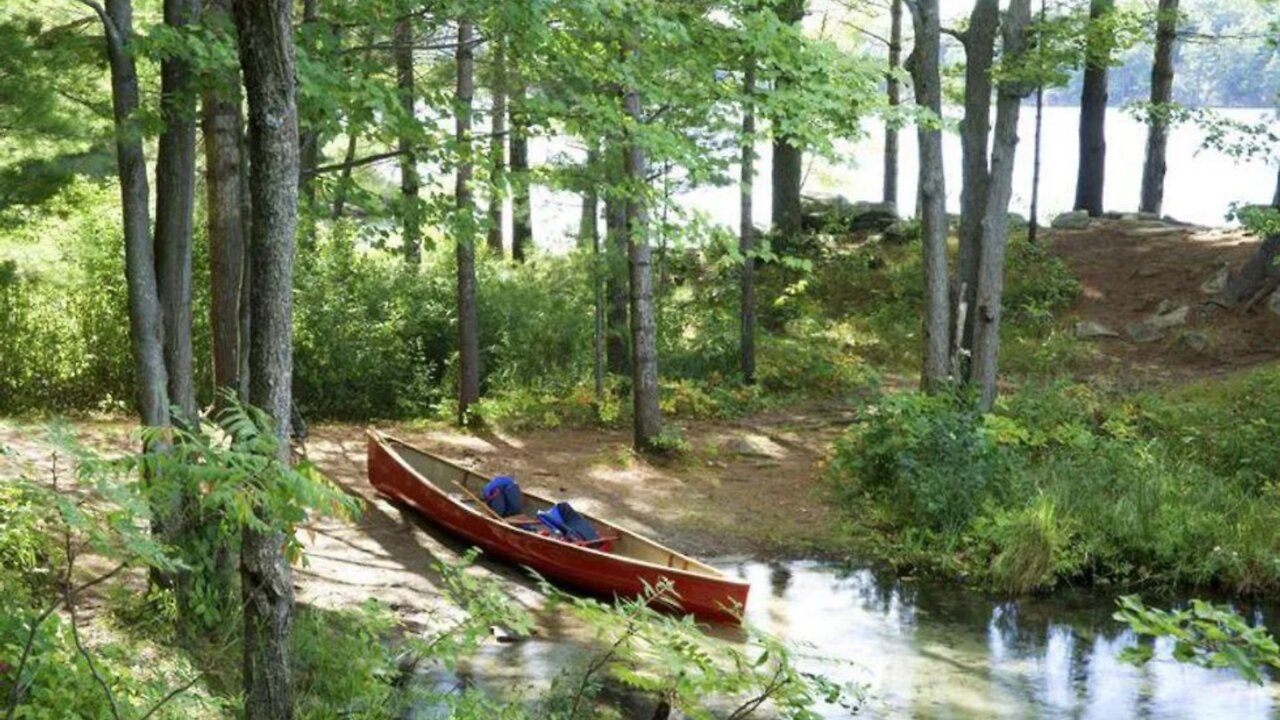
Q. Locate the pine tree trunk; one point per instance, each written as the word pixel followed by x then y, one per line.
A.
pixel 1093 118
pixel 644 353
pixel 924 66
pixel 175 204
pixel 146 329
pixel 616 285
pixel 498 151
pixel 409 183
pixel 222 128
pixel 746 227
pixel 308 141
pixel 1033 227
pixel 995 224
pixel 589 232
pixel 975 128
pixel 267 60
pixel 344 178
pixel 894 90
pixel 788 158
pixel 1153 169
pixel 522 207
pixel 464 226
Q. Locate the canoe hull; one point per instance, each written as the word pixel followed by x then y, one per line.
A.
pixel 714 599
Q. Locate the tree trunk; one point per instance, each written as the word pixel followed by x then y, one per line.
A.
pixel 522 207
pixel 995 222
pixel 308 138
pixel 408 158
pixel 788 158
pixel 892 86
pixel 175 203
pixel 746 226
pixel 617 348
pixel 497 151
pixel 590 233
pixel 1033 226
pixel 267 60
pixel 223 127
pixel 924 68
pixel 1153 170
pixel 344 179
pixel 146 329
pixel 464 226
pixel 975 128
pixel 644 353
pixel 246 272
pixel 1093 118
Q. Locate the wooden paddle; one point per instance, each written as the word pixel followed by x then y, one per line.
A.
pixel 480 502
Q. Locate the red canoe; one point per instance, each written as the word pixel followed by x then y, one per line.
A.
pixel 433 487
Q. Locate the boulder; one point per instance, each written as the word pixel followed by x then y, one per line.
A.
pixel 1196 342
pixel 1273 302
pixel 1074 220
pixel 835 213
pixel 1088 329
pixel 757 446
pixel 1168 316
pixel 1217 282
pixel 1142 333
pixel 1017 221
pixel 902 230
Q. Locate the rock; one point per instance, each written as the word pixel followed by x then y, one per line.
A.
pixel 1017 221
pixel 901 230
pixel 1168 317
pixel 1087 329
pixel 1113 215
pixel 1194 341
pixel 835 213
pixel 1074 220
pixel 757 446
pixel 1273 302
pixel 1217 282
pixel 1146 271
pixel 1142 333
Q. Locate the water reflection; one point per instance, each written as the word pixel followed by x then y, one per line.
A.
pixel 933 651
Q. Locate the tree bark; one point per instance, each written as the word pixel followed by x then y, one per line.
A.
pixel 464 224
pixel 223 127
pixel 590 233
pixel 1153 169
pixel 995 222
pixel 308 138
pixel 975 129
pixel 267 61
pixel 409 182
pixel 175 204
pixel 522 206
pixel 617 348
pixel 1093 117
pixel 146 329
pixel 644 355
pixel 498 151
pixel 746 226
pixel 894 91
pixel 788 158
pixel 1033 226
pixel 344 179
pixel 924 66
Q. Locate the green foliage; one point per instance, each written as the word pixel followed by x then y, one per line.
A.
pixel 1062 482
pixel 1204 634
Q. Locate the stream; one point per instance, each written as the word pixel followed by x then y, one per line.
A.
pixel 935 650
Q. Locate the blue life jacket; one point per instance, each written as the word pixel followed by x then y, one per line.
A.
pixel 565 521
pixel 503 495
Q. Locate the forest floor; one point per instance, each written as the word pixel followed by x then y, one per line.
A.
pixel 746 487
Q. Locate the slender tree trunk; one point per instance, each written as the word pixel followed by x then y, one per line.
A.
pixel 1093 118
pixel 498 151
pixel 146 329
pixel 924 66
pixel 175 203
pixel 1153 169
pixel 644 355
pixel 617 347
pixel 308 138
pixel 223 127
pixel 788 158
pixel 522 207
pixel 995 223
pixel 246 271
pixel 975 128
pixel 468 322
pixel 344 179
pixel 590 233
pixel 267 60
pixel 746 226
pixel 1033 228
pixel 894 90
pixel 408 158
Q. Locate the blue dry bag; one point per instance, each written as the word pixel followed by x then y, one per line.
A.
pixel 503 495
pixel 566 521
